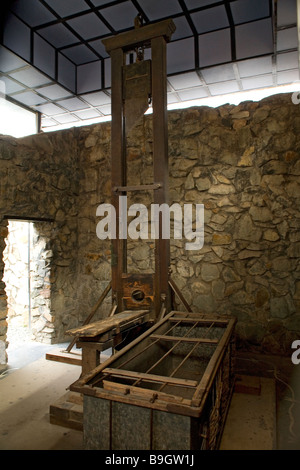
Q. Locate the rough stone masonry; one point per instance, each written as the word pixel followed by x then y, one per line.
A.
pixel 242 162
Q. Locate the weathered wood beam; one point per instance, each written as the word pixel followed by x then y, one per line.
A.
pixel 140 36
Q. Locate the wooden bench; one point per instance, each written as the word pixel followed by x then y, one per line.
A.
pixel 104 334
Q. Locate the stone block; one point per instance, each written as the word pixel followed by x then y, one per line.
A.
pixel 262 296
pixel 294 250
pixel 209 272
pixel 203 184
pixel 221 239
pixel 271 235
pixel 279 307
pixel 261 214
pixel 222 189
pixel 246 230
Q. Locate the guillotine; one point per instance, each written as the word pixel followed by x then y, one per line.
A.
pixel 170 386
pixel 138 299
pixel 133 87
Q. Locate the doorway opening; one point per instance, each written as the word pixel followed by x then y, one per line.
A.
pixel 27 259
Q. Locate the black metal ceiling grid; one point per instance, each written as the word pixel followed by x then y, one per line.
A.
pixel 67 31
pixel 62 41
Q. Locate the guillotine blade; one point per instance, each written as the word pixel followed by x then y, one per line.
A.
pixel 136 91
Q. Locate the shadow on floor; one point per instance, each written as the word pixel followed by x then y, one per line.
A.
pixel 287 381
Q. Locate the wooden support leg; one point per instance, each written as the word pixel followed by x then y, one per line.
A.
pixel 90 359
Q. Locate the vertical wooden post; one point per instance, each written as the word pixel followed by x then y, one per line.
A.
pixel 298 28
pixel 118 168
pixel 160 166
pixel 156 35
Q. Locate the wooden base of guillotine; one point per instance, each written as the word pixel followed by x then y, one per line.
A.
pixel 91 340
pixel 68 411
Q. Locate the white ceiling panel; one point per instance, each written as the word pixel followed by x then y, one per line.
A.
pixel 52 50
pixel 262 81
pixel 30 77
pixel 224 88
pixel 252 67
pixel 30 98
pixel 186 80
pixel 193 94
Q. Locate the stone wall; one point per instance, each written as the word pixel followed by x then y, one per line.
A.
pixel 39 181
pixel 242 162
pixel 93 266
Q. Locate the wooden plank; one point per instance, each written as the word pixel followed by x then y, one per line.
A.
pixel 90 359
pixel 67 411
pixel 211 369
pixel 138 36
pixel 179 294
pixel 185 340
pixel 144 393
pixel 141 187
pixel 118 168
pixel 160 169
pixel 113 310
pixel 102 326
pixel 162 312
pixel 182 408
pixel 64 357
pixel 99 345
pixel 84 380
pixel 76 398
pixel 150 377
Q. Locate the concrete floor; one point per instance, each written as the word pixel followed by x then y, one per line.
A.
pixel 286 377
pixel 251 419
pixel 31 384
pixel 27 389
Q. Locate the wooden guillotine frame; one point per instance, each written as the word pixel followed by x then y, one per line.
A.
pixel 138 299
pixel 171 370
pixel 133 86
